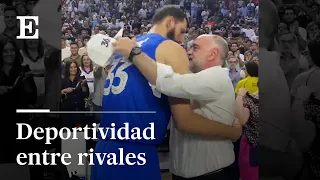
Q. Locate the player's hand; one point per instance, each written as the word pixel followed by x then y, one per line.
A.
pixel 124 45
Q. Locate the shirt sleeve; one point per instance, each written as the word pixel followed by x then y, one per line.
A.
pixel 188 86
pixel 239 85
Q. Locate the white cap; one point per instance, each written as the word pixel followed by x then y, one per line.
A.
pixel 100 49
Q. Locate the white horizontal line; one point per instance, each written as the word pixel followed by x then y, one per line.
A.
pixel 47 111
pixel 33 111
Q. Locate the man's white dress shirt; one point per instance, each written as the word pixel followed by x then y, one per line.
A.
pixel 213 97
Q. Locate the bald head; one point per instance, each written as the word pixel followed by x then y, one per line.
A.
pixel 219 42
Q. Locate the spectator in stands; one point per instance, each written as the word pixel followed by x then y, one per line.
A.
pixel 17 91
pixel 74 90
pixel 74 54
pixel 234 73
pixel 87 71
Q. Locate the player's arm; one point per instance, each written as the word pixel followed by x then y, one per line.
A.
pixel 184 118
pixel 170 83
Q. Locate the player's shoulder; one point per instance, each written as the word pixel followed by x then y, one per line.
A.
pixel 169 52
pixel 150 38
pixel 168 46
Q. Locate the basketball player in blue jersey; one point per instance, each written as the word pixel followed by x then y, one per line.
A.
pixel 126 89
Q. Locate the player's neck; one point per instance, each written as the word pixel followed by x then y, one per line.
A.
pixel 158 30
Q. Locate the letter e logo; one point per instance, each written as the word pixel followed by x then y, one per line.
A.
pixel 32 22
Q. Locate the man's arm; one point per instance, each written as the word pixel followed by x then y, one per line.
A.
pixel 173 84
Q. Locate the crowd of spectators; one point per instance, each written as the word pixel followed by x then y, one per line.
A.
pixel 236 21
pixel 298 44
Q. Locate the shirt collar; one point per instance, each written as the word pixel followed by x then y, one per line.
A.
pixel 231 70
pixel 77 56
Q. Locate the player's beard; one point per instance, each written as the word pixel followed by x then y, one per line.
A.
pixel 170 35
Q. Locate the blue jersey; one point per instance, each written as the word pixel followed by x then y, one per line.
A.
pixel 126 89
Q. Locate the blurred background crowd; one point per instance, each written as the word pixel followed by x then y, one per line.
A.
pixel 235 20
pixel 298 44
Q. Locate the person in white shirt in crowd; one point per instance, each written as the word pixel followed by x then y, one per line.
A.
pixel 289 17
pixel 83 6
pixel 86 68
pixel 121 5
pixel 143 12
pixel 194 9
pixel 205 14
pixel 212 95
pixel 248 30
pixel 65 50
pixel 114 24
pixel 255 37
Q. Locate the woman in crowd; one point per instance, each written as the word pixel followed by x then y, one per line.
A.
pixel 87 71
pixel 247 111
pixel 282 27
pixel 306 107
pixel 33 55
pixel 17 91
pixel 74 91
pixel 80 43
pixel 247 56
pixel 251 80
pixel 312 30
pixel 255 59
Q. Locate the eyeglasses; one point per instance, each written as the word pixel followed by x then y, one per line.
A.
pixel 291 41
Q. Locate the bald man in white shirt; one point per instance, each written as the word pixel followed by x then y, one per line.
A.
pixel 211 91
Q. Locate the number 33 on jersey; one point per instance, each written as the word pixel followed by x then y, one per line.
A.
pixel 118 77
pixel 118 74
